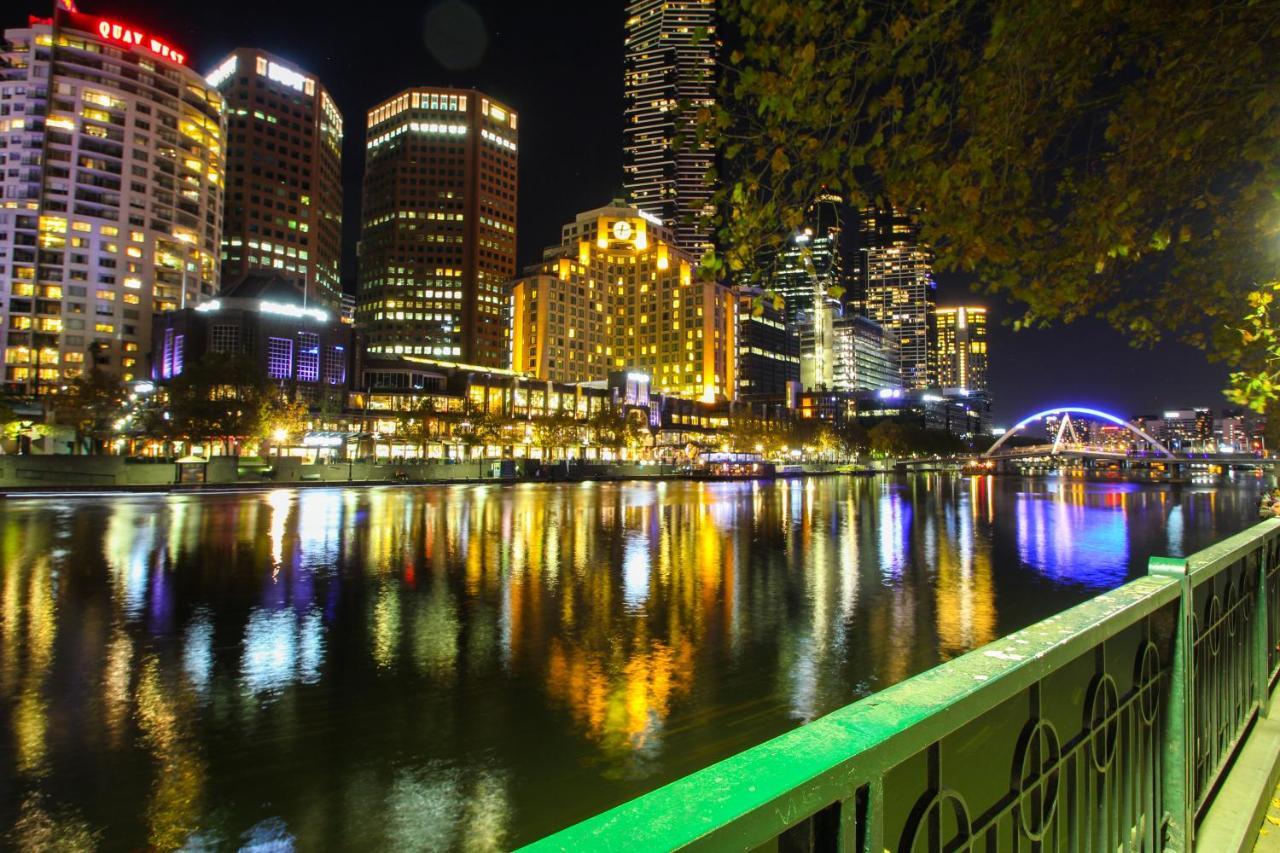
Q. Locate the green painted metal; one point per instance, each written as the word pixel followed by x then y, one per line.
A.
pixel 1107 726
pixel 1179 746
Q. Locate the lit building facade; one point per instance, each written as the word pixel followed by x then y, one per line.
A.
pixel 1187 429
pixel 668 63
pixel 865 356
pixel 618 293
pixel 284 174
pixel 896 287
pixel 111 206
pixel 438 242
pixel 960 348
pixel 301 346
pixel 956 414
pixel 768 351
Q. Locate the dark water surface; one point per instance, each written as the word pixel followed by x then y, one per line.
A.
pixel 476 666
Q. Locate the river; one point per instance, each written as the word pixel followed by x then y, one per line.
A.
pixel 475 666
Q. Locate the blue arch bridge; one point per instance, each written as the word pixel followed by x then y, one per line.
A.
pixel 1139 720
pixel 1074 446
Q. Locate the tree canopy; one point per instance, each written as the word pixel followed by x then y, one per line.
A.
pixel 1080 157
pixel 90 405
pixel 220 398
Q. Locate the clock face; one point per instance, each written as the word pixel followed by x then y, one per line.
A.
pixel 622 230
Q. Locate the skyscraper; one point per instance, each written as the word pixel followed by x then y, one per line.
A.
pixel 438 243
pixel 284 174
pixel 896 287
pixel 960 348
pixel 811 263
pixel 111 206
pixel 619 294
pixel 671 49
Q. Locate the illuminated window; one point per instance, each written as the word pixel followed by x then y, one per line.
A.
pixel 279 358
pixel 308 357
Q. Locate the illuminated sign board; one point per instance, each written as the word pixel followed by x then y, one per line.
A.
pixel 268 307
pixel 649 217
pixel 131 37
pixel 224 71
pixel 288 77
pixel 292 310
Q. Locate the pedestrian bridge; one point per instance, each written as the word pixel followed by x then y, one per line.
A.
pixel 1138 720
pixel 1068 444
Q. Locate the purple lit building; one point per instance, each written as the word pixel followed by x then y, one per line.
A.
pixel 264 317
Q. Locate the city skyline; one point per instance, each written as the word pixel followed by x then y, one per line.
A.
pixel 572 160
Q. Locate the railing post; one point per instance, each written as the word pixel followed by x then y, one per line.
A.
pixel 1177 782
pixel 1261 635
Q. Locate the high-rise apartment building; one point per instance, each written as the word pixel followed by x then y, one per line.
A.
pixel 960 348
pixel 111 202
pixel 618 293
pixel 896 288
pixel 671 49
pixel 438 243
pixel 284 174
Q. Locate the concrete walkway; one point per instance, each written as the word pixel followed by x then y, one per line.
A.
pixel 1269 834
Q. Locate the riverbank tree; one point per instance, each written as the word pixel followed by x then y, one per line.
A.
pixel 90 405
pixel 1083 159
pixel 220 399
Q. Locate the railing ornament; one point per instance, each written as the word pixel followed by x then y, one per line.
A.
pixel 925 823
pixel 1102 724
pixel 1147 680
pixel 1037 767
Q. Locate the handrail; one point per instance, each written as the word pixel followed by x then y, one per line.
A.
pixel 1115 674
pixel 1207 561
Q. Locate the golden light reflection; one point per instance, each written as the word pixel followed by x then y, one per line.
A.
pixel 174 809
pixel 386 626
pixel 630 619
pixel 116 678
pixel 620 703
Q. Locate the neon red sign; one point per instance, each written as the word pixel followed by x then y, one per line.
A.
pixel 126 35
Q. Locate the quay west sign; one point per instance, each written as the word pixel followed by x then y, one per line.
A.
pixel 122 34
pixel 127 35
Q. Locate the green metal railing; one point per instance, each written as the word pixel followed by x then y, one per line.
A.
pixel 1106 727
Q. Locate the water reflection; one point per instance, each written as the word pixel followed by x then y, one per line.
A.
pixel 479 665
pixel 1073 534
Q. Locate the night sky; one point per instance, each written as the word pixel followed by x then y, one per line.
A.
pixel 559 64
